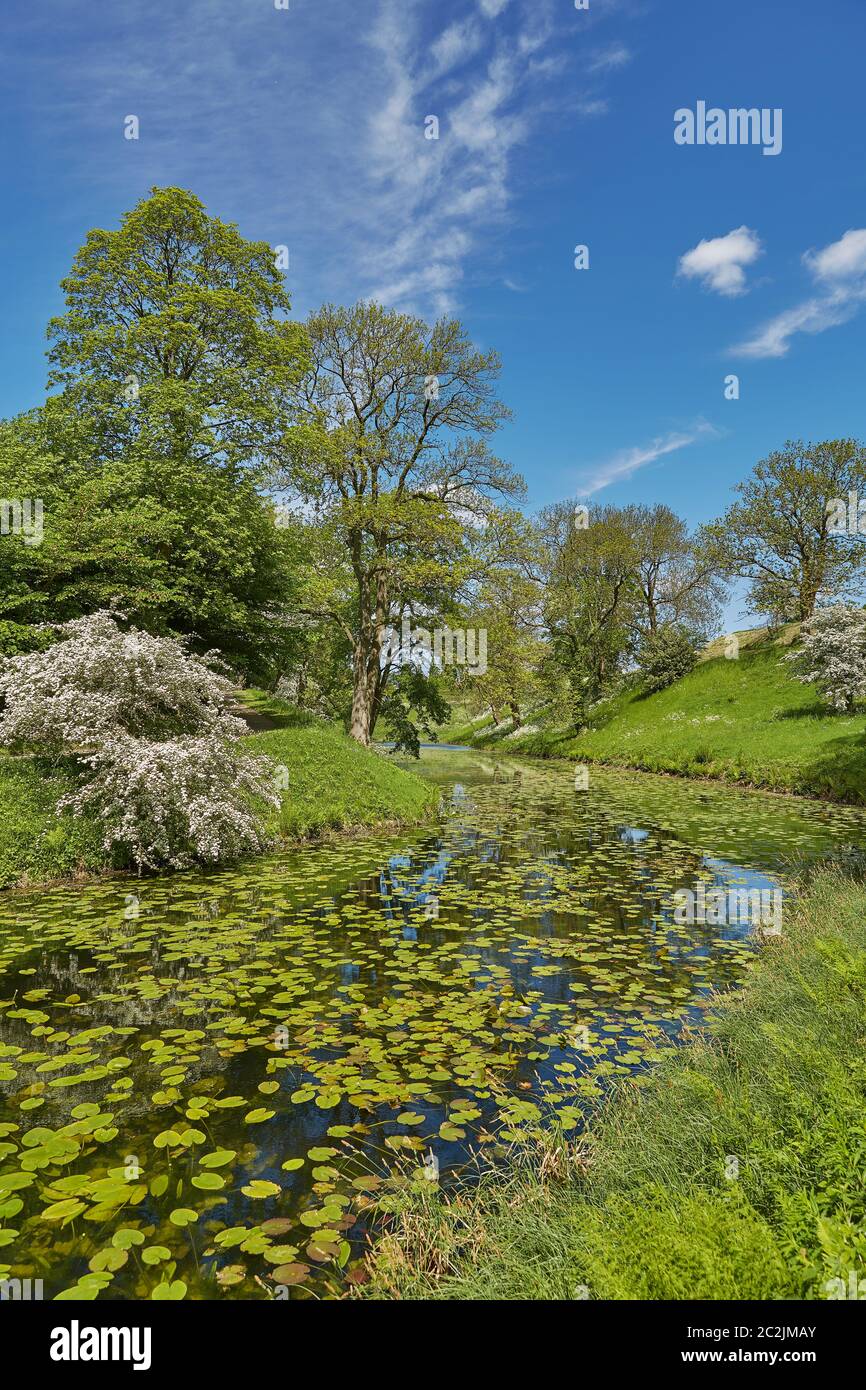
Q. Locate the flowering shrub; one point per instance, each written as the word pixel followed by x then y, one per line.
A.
pixel 98 680
pixel 832 655
pixel 150 725
pixel 176 801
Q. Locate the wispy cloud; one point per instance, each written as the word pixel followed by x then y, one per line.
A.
pixel 308 128
pixel 615 55
pixel 625 462
pixel 839 271
pixel 719 263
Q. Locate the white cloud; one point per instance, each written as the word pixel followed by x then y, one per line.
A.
pixel 307 129
pixel 625 462
pixel 616 55
pixel 840 270
pixel 455 45
pixel 842 259
pixel 720 261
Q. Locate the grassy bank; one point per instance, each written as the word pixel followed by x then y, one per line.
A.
pixel 642 1207
pixel 333 784
pixel 741 721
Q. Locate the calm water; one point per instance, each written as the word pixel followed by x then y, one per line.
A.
pixel 207 1081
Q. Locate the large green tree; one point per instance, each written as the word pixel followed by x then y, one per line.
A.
pixel 678 577
pixel 592 597
pixel 394 464
pixel 174 368
pixel 174 340
pixel 779 534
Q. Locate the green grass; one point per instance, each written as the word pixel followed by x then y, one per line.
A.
pixel 642 1208
pixel 742 721
pixel 35 844
pixel 333 784
pixel 336 785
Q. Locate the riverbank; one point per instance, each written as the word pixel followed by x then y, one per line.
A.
pixel 746 722
pixel 730 1171
pixel 332 785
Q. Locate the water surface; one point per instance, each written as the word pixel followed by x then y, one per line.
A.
pixel 206 1080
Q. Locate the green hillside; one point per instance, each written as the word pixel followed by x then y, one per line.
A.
pixel 744 720
pixel 333 784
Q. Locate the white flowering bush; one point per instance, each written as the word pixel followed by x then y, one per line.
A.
pixel 176 801
pixel 832 655
pixel 151 730
pixel 98 680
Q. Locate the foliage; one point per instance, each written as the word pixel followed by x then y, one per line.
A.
pixel 168 783
pixel 591 598
pixel 666 656
pixel 678 576
pixel 97 681
pixel 175 365
pixel 412 706
pixel 393 458
pixel 175 801
pixel 779 536
pixel 174 342
pixel 832 655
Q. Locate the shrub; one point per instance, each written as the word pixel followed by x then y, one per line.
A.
pixel 151 730
pixel 175 801
pixel 666 656
pixel 832 655
pixel 97 681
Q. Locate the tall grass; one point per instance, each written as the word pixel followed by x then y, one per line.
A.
pixel 735 1171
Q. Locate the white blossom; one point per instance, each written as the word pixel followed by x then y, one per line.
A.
pixel 150 727
pixel 832 654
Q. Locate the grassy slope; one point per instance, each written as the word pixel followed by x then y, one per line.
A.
pixel 645 1210
pixel 333 784
pixel 745 721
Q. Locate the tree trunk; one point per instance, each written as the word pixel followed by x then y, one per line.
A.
pixel 362 698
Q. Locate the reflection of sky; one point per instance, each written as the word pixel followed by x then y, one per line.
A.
pixel 630 836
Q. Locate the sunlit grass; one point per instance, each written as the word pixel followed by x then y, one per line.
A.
pixel 746 721
pixel 733 1172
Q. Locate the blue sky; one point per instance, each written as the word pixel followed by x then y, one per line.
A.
pixel 306 126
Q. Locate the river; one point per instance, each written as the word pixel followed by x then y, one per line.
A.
pixel 208 1081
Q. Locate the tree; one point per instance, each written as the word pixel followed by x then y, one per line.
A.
pixel 394 460
pixel 678 578
pixel 176 371
pixel 507 608
pixel 412 706
pixel 832 655
pixel 179 545
pixel 151 732
pixel 591 597
pixel 666 655
pixel 779 535
pixel 174 341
